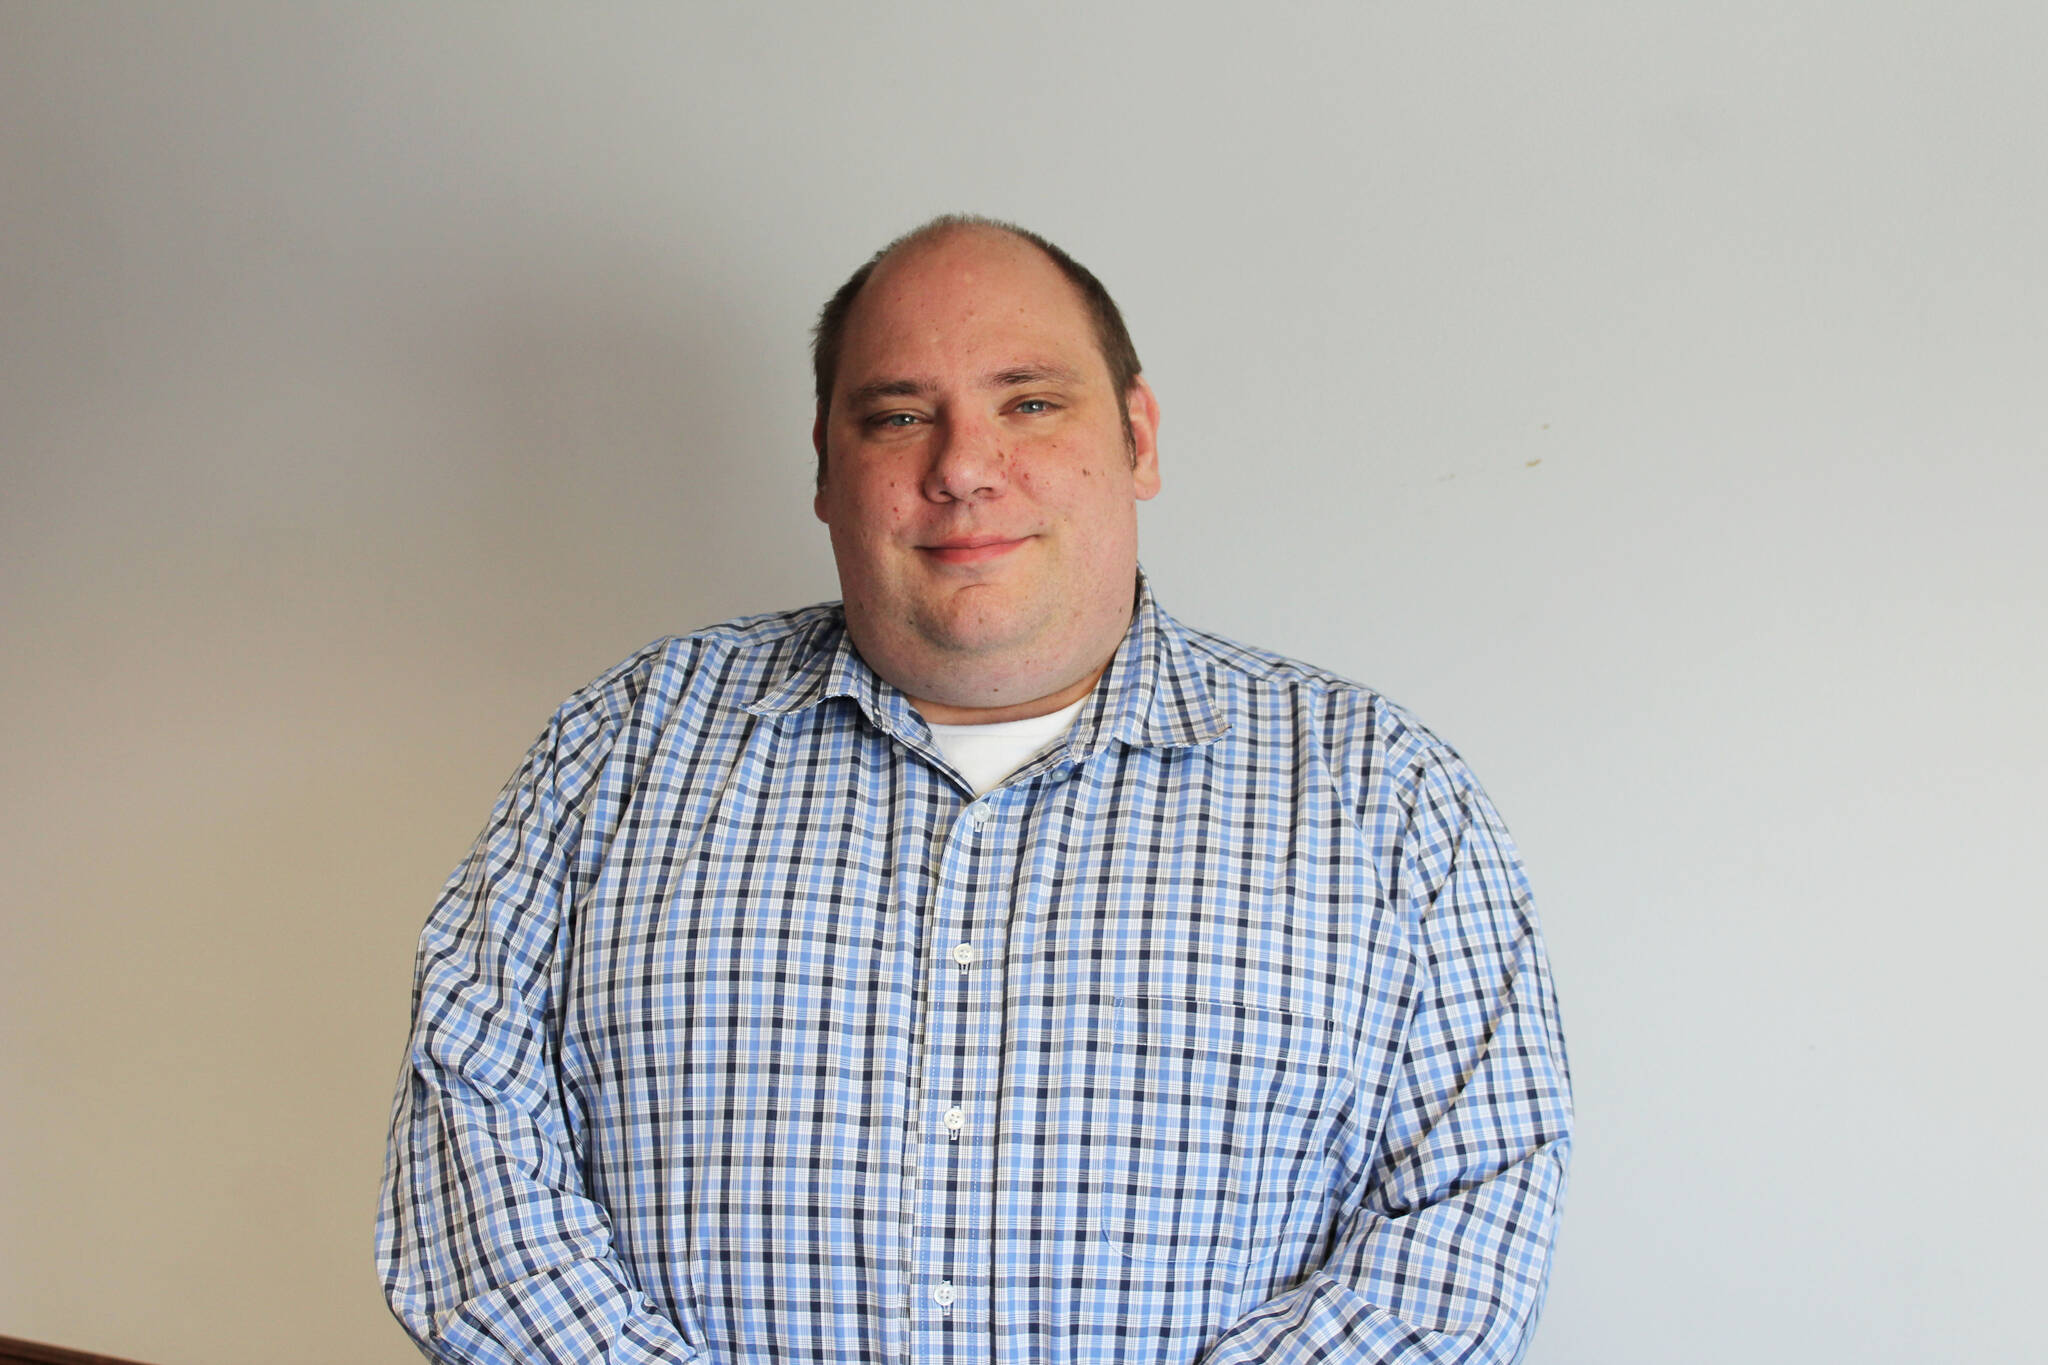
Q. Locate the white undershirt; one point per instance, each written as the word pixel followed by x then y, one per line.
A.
pixel 986 754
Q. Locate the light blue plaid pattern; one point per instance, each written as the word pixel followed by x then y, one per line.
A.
pixel 1223 1033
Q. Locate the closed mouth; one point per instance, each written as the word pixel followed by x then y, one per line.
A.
pixel 972 549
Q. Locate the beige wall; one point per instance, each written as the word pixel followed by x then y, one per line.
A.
pixel 1649 396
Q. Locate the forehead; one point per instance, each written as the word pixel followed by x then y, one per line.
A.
pixel 968 299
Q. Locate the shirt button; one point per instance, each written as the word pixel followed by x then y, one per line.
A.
pixel 977 814
pixel 963 953
pixel 956 1119
pixel 943 1295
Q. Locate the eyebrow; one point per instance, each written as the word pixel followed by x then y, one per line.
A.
pixel 889 388
pixel 1021 375
pixel 1016 376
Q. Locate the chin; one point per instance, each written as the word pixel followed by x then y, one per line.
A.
pixel 971 627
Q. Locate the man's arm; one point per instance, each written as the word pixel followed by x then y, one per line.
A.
pixel 1445 1257
pixel 490 1251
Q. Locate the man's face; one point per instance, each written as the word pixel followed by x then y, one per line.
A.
pixel 978 486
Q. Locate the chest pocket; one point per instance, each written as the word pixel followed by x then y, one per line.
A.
pixel 1207 1126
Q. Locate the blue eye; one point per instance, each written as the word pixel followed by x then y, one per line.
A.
pixel 1033 405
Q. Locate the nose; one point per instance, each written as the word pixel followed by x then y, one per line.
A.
pixel 968 463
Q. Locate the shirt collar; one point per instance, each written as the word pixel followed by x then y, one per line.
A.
pixel 1151 696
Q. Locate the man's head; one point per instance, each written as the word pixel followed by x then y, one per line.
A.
pixel 981 457
pixel 1111 336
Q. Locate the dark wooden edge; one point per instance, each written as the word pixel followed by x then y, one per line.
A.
pixel 14 1351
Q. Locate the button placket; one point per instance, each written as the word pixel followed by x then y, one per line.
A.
pixel 970 879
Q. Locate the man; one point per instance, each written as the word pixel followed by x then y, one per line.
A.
pixel 990 969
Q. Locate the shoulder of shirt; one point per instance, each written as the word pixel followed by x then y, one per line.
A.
pixel 764 648
pixel 1365 734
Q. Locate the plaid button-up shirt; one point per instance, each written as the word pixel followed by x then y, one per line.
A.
pixel 1221 1031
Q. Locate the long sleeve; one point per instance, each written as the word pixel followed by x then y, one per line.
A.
pixel 1444 1255
pixel 490 1250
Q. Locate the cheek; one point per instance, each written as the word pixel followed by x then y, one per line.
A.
pixel 886 498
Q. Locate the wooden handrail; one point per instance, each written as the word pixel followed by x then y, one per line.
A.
pixel 14 1351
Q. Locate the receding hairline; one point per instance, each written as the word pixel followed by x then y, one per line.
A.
pixel 945 226
pixel 950 227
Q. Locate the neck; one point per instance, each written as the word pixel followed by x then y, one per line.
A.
pixel 947 713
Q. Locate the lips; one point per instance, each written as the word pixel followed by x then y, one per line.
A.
pixel 971 549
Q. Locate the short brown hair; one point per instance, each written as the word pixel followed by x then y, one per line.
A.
pixel 1112 338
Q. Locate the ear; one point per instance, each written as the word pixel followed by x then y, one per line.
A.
pixel 818 445
pixel 1143 406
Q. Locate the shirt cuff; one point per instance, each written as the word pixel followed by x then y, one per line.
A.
pixel 575 1314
